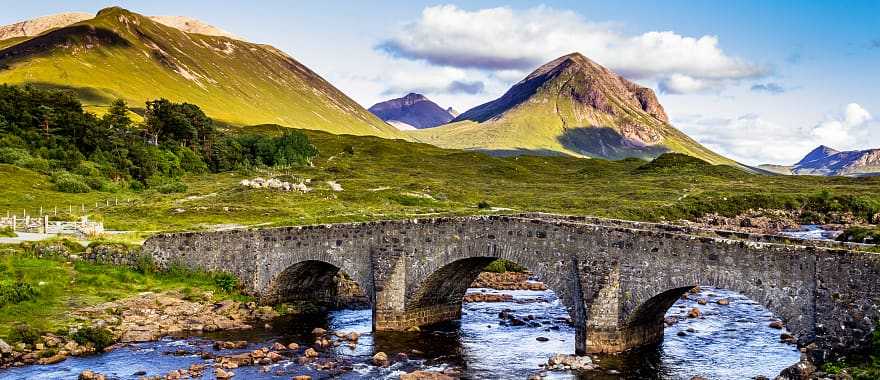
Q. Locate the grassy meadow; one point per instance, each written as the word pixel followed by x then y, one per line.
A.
pixel 389 179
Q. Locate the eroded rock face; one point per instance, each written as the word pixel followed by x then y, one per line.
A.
pixel 33 27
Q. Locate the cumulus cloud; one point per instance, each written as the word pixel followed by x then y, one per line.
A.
pixel 520 40
pixel 771 88
pixel 753 140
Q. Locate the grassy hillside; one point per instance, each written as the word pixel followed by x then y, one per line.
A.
pixel 572 106
pixel 384 179
pixel 120 54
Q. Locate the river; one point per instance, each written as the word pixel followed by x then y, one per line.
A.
pixel 730 342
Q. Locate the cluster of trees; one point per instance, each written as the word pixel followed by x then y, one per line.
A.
pixel 48 131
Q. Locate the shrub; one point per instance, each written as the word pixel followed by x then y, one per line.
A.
pixel 145 264
pixel 226 282
pixel 501 266
pixel 35 163
pixel 483 205
pixel 860 235
pixel 25 334
pixel 100 338
pixel 13 155
pixel 70 183
pixel 7 232
pixel 15 292
pixel 172 187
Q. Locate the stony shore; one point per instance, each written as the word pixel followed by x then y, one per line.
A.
pixel 145 317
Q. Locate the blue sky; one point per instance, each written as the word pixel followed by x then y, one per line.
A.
pixel 760 81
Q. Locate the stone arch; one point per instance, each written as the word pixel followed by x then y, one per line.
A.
pixel 309 280
pixel 441 292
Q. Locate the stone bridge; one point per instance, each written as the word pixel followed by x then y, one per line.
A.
pixel 616 278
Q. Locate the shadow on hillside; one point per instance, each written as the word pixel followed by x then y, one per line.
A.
pixel 604 142
pixel 88 95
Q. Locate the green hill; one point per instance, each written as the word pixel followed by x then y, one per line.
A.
pixel 121 54
pixel 570 106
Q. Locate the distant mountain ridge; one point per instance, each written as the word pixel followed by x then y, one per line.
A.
pixel 575 106
pixel 121 54
pixel 413 111
pixel 826 161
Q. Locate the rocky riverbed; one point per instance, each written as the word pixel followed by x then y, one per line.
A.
pixel 143 318
pixel 528 334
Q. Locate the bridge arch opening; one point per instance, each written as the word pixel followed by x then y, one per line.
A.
pixel 723 333
pixel 515 308
pixel 315 283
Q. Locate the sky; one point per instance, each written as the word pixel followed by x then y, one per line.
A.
pixel 757 81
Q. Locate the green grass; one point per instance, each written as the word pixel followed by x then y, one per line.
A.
pixel 125 55
pixel 393 179
pixel 62 286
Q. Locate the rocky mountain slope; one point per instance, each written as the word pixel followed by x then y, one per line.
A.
pixel 413 111
pixel 574 106
pixel 121 54
pixel 33 27
pixel 830 162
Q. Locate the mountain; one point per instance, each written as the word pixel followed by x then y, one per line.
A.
pixel 191 25
pixel 121 54
pixel 573 106
pixel 826 161
pixel 33 27
pixel 453 112
pixel 413 111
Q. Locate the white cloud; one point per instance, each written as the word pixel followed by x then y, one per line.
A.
pixel 753 140
pixel 517 40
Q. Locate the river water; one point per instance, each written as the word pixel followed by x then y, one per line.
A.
pixel 729 342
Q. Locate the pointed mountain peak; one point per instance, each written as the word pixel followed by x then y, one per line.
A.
pixel 577 80
pixel 821 152
pixel 413 110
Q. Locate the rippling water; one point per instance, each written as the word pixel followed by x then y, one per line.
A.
pixel 729 342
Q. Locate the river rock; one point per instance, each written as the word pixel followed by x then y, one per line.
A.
pixel 425 375
pixel 723 301
pixel 293 346
pixel 776 325
pixel 302 377
pixel 311 353
pixel 380 359
pixel 5 348
pixel 694 313
pixel 90 375
pixel 222 374
pixel 317 331
pixel 561 361
pixel 54 359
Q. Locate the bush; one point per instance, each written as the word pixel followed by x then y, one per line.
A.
pixel 145 264
pixel 501 266
pixel 70 183
pixel 13 155
pixel 7 232
pixel 100 338
pixel 483 205
pixel 15 292
pixel 226 282
pixel 860 235
pixel 25 334
pixel 35 163
pixel 172 187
